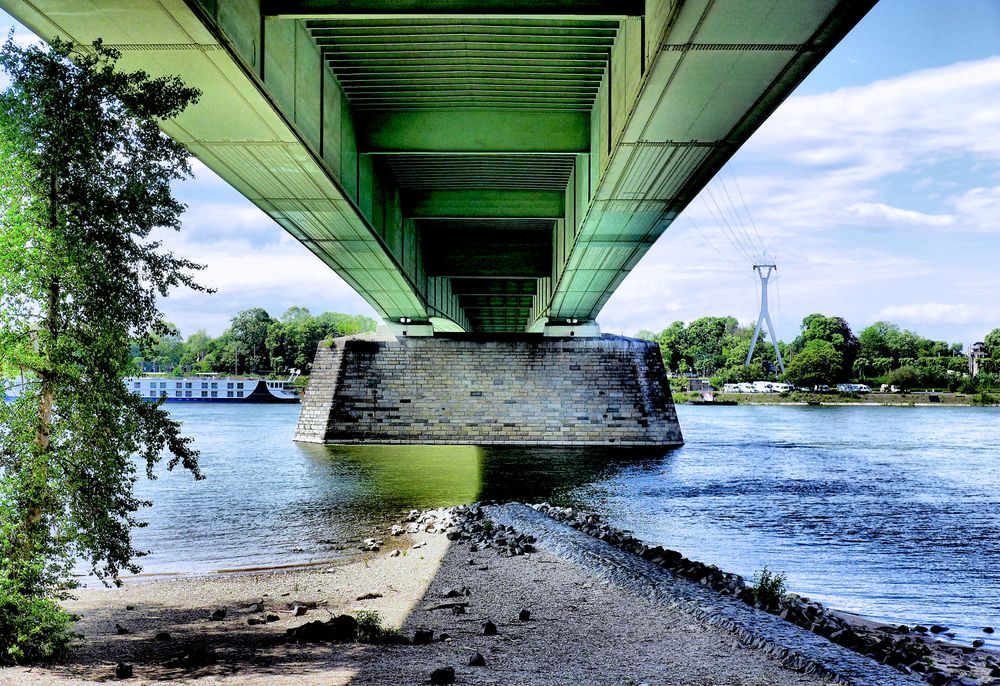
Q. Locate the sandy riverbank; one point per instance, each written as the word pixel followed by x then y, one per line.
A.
pixel 581 631
pixel 588 624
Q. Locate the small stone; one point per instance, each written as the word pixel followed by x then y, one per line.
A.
pixel 444 637
pixel 443 675
pixel 458 610
pixel 394 553
pixel 419 545
pixel 489 628
pixel 524 615
pixel 987 630
pixel 938 629
pixel 369 596
pixel 978 643
pixel 903 629
pixel 120 630
pixel 163 636
pixel 123 670
pixel 272 617
pixel 920 629
pixel 253 621
pixel 477 660
pixel 132 607
pixel 299 610
pixel 218 615
pixel 423 636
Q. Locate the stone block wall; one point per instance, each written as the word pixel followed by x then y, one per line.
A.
pixel 462 389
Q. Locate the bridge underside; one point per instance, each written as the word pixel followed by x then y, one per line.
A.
pixel 481 165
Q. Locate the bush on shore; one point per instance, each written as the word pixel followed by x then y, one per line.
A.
pixel 33 626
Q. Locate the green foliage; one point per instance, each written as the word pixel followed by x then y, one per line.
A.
pixel 371 630
pixel 768 587
pixel 836 332
pixel 818 363
pixel 991 344
pixel 85 181
pixel 905 378
pixel 33 626
pixel 986 399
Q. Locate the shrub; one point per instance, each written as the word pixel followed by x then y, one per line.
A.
pixel 33 627
pixel 768 587
pixel 370 629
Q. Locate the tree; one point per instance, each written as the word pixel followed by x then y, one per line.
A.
pixel 836 332
pixel 249 334
pixel 86 176
pixel 991 343
pixel 818 363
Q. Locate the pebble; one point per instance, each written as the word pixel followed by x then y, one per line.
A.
pixel 163 636
pixel 423 636
pixel 218 615
pixel 253 621
pixel 938 629
pixel 524 615
pixel 443 675
pixel 369 596
pixel 489 628
pixel 394 553
pixel 987 630
pixel 458 610
pixel 299 610
pixel 477 660
pixel 120 630
pixel 978 643
pixel 123 670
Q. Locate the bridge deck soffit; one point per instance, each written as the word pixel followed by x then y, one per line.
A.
pixel 487 165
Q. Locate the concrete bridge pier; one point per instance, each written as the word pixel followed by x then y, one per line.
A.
pixel 515 389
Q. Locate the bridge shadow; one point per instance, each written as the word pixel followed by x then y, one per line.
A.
pixel 403 477
pixel 387 480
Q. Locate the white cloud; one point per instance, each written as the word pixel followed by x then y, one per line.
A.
pixel 897 215
pixel 979 209
pixel 939 313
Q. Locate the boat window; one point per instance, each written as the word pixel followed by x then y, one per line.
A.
pixel 187 385
pixel 229 385
pixel 215 394
pixel 177 394
pixel 239 385
pixel 204 394
pixel 187 393
pixel 215 385
pixel 229 394
pixel 204 384
pixel 138 384
pixel 239 394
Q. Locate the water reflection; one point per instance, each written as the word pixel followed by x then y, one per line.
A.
pixel 391 478
pixel 268 500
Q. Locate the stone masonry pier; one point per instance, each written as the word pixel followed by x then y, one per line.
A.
pixel 465 389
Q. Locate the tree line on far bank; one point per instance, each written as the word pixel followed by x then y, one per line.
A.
pixel 826 351
pixel 254 343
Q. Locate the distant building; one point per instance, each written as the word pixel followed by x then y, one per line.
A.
pixel 976 353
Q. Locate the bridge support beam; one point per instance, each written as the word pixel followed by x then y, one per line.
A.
pixel 467 389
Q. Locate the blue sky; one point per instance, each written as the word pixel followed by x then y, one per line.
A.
pixel 876 187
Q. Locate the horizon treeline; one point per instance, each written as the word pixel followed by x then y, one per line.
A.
pixel 826 351
pixel 254 343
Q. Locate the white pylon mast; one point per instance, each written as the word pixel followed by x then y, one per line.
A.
pixel 764 271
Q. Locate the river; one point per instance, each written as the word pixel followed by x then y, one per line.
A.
pixel 891 512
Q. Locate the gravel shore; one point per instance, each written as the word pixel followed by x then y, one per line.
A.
pixel 580 631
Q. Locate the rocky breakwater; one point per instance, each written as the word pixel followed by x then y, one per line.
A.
pixel 911 650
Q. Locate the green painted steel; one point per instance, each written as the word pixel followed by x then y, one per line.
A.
pixel 490 165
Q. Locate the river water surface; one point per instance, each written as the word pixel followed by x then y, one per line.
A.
pixel 893 513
